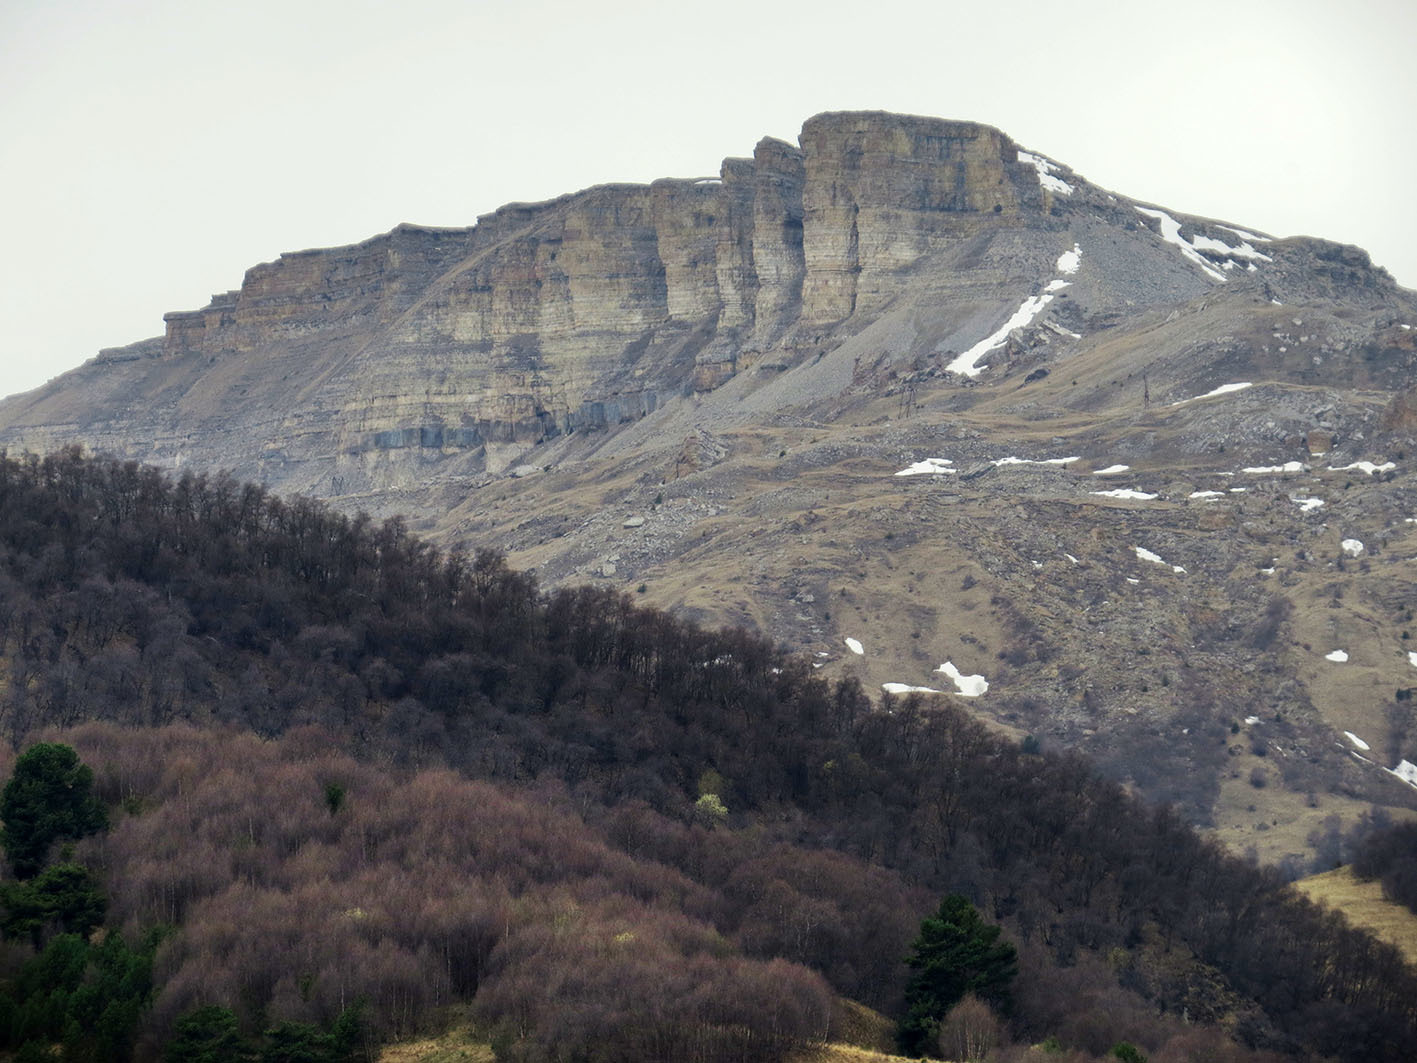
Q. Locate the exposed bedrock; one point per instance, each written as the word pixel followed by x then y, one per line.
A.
pixel 883 190
pixel 587 310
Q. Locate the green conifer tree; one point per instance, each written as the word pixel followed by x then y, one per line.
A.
pixel 956 953
pixel 49 798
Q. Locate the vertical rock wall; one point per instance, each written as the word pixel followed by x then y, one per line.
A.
pixel 593 307
pixel 777 236
pixel 883 190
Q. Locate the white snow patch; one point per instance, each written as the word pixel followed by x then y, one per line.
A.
pixel 1262 470
pixel 1197 247
pixel 970 686
pixel 1132 579
pixel 1238 490
pixel 1359 756
pixel 1075 561
pixel 1171 233
pixel 1308 505
pixel 1364 466
pixel 1046 168
pixel 1224 250
pixel 928 467
pixel 1036 461
pixel 1224 389
pixel 1250 721
pixel 1406 771
pixel 1351 547
pixel 1146 555
pixel 1206 494
pixel 854 646
pixel 1412 658
pixel 1358 741
pixel 1336 656
pixel 709 181
pixel 966 365
pixel 1111 470
pixel 904 688
pixel 1125 492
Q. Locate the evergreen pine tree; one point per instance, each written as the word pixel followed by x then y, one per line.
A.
pixel 956 953
pixel 49 798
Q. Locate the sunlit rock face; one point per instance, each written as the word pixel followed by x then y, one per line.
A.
pixel 346 369
pixel 882 191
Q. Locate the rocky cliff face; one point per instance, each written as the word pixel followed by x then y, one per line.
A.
pixel 704 389
pixel 582 312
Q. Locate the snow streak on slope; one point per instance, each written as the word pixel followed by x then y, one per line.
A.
pixel 1224 389
pixel 1192 248
pixel 1128 493
pixel 928 467
pixel 1364 466
pixel 969 686
pixel 966 364
pixel 1046 168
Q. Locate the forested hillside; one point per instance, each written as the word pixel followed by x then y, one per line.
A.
pixel 343 765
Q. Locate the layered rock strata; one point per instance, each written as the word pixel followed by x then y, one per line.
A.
pixel 584 311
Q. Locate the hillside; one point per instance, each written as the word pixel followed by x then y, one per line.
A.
pixel 1142 442
pixel 434 784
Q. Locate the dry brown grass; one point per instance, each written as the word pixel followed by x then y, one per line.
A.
pixel 446 1049
pixel 840 1053
pixel 859 1033
pixel 1364 905
pixel 461 1044
pixel 455 1048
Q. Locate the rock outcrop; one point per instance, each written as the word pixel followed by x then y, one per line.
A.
pixel 880 193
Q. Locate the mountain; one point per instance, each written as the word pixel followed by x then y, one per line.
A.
pixel 1161 500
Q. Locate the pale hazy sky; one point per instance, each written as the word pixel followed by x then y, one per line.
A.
pixel 152 150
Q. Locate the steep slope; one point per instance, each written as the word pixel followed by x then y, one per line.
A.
pixel 704 389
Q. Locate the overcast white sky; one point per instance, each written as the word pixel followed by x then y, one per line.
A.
pixel 152 150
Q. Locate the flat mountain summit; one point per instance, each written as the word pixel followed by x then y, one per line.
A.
pixel 909 398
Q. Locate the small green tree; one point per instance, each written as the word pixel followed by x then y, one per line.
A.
pixel 49 798
pixel 65 896
pixel 956 953
pixel 209 1034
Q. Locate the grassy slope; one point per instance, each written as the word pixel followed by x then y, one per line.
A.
pixel 1364 905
